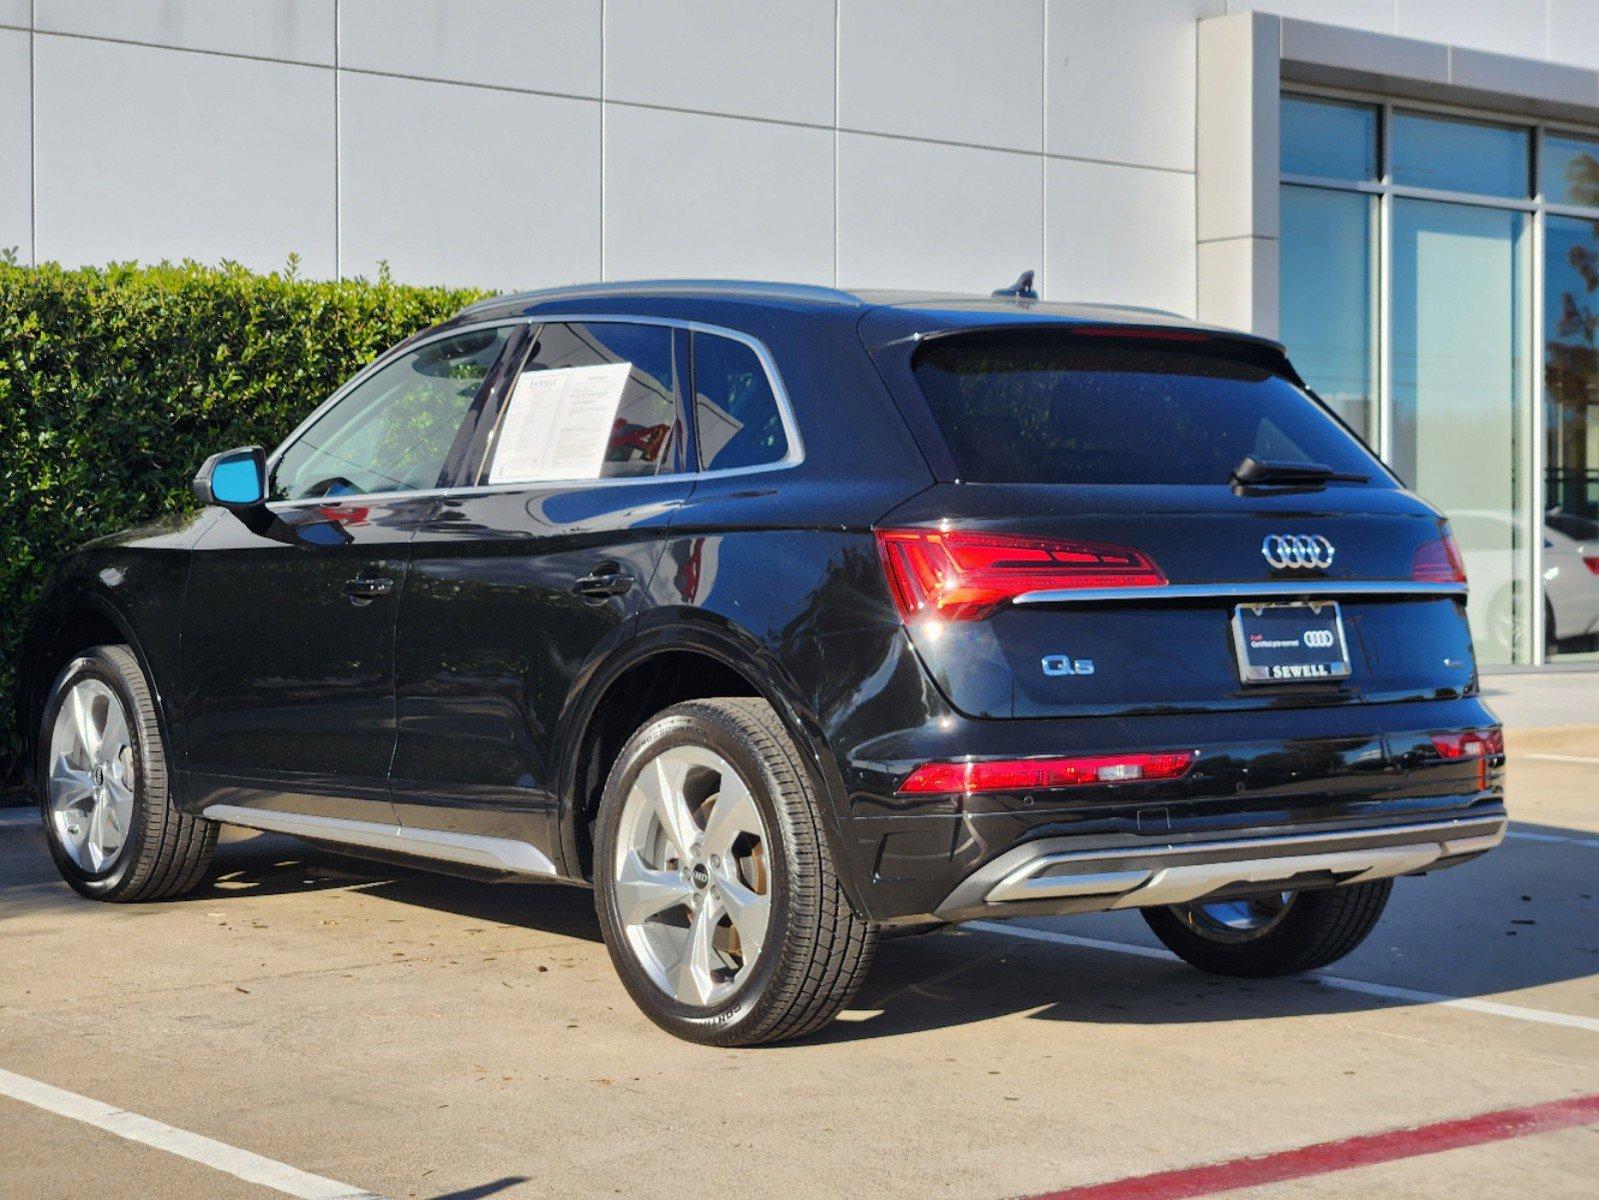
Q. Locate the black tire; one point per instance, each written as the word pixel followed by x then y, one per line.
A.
pixel 817 949
pixel 165 852
pixel 1317 928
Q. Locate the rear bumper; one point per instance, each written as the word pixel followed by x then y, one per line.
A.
pixel 1055 876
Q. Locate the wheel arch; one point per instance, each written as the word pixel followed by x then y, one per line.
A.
pixel 663 665
pixel 70 624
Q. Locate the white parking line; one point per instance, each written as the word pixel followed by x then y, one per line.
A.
pixel 19 817
pixel 1573 758
pixel 219 1156
pixel 1490 1007
pixel 1565 839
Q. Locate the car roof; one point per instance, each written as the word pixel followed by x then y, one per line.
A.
pixel 908 311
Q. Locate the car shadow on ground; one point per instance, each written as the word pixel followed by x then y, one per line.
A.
pixel 1523 917
pixel 482 1190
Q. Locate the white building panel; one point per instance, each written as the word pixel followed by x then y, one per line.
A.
pixel 687 194
pixel 150 154
pixel 468 186
pixel 723 56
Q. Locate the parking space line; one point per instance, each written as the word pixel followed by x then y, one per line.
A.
pixel 1491 1008
pixel 1324 1158
pixel 1569 758
pixel 1560 838
pixel 19 817
pixel 219 1156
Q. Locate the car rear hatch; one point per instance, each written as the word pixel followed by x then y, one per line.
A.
pixel 1088 550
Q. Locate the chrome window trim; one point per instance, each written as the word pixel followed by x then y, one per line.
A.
pixel 1310 588
pixel 774 380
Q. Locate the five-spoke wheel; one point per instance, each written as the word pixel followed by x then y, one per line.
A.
pixel 102 773
pixel 92 775
pixel 692 885
pixel 715 883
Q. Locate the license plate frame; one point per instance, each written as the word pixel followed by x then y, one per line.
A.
pixel 1284 659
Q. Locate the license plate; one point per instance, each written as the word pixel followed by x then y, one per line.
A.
pixel 1290 643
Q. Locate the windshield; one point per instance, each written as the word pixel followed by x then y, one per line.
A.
pixel 1043 408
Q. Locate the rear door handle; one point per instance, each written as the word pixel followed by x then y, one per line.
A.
pixel 606 581
pixel 364 589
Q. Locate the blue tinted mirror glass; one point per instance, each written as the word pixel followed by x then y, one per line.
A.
pixel 1329 139
pixel 236 481
pixel 1462 156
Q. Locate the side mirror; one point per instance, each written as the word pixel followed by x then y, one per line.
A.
pixel 234 479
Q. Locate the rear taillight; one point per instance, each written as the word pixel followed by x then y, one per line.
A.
pixel 1036 774
pixel 1438 561
pixel 1470 743
pixel 960 576
pixel 1591 561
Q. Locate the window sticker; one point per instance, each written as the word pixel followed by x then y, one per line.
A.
pixel 558 424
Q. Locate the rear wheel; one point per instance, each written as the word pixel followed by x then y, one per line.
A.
pixel 1282 933
pixel 716 890
pixel 108 814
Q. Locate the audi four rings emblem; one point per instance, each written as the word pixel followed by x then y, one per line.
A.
pixel 1297 551
pixel 1319 639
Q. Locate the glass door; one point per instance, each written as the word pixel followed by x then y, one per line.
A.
pixel 1459 332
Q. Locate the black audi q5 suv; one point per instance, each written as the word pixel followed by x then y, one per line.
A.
pixel 789 619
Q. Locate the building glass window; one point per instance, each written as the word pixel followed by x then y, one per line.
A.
pixel 1329 139
pixel 1458 372
pixel 1570 169
pixel 1450 155
pixel 1571 433
pixel 1328 310
pixel 1435 269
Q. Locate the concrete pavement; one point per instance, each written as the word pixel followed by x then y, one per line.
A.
pixel 417 1036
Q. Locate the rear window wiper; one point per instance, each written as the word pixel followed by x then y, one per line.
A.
pixel 1263 473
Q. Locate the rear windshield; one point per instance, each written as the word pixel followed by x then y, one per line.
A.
pixel 1032 409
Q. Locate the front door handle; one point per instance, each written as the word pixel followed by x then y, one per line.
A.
pixel 606 580
pixel 364 589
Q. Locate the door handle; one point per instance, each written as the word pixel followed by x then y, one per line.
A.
pixel 607 580
pixel 364 589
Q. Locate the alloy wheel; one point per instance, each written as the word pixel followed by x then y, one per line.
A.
pixel 91 784
pixel 692 875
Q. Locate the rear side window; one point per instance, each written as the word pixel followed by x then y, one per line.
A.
pixel 736 414
pixel 591 401
pixel 1051 410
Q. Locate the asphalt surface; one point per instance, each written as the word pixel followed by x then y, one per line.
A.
pixel 407 1035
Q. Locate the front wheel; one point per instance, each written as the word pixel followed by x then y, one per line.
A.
pixel 716 889
pixel 103 786
pixel 1282 933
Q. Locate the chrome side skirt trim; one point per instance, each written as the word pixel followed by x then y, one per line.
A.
pixel 1147 876
pixel 496 854
pixel 1310 589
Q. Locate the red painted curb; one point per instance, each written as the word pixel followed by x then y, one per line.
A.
pixel 1326 1157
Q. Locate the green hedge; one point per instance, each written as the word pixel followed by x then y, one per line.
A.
pixel 116 382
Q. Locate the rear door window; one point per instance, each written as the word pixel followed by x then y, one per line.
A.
pixel 598 400
pixel 736 413
pixel 1051 409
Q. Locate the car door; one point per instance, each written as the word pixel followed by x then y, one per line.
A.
pixel 290 612
pixel 521 581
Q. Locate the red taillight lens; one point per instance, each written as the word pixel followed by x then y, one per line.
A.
pixel 964 576
pixel 1438 561
pixel 1032 774
pixel 1591 561
pixel 1470 743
